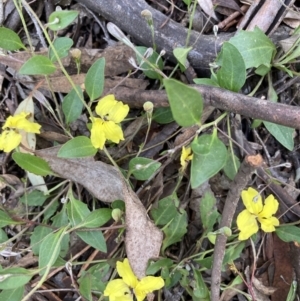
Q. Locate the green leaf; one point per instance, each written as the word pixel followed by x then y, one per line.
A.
pixel 85 286
pixel 50 249
pixel 282 134
pixel 13 278
pixel 61 19
pixel 186 103
pixel 163 115
pixel 37 65
pixel 232 253
pixel 32 164
pixel 232 75
pixel 3 236
pixel 200 289
pixel 181 54
pixel 263 69
pixel 206 81
pixel 94 80
pixel 36 239
pixel 77 147
pixel 154 59
pixel 208 211
pixel 62 46
pixel 9 40
pixel 175 230
pixel 229 168
pixel 77 211
pixel 154 267
pixel 94 239
pixel 6 220
pixel 166 210
pixel 255 47
pixel 143 168
pixel 288 233
pixel 60 219
pixel 34 198
pixel 97 218
pixel 210 155
pixel 72 105
pixel 15 294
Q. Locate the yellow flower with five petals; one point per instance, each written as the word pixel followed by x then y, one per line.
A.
pixel 120 289
pixel 256 211
pixel 111 113
pixel 11 135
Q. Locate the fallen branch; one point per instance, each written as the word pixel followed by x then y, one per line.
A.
pixel 221 99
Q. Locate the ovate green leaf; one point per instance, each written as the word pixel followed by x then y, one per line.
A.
pixel 154 59
pixel 37 65
pixel 208 211
pixel 166 210
pixel 175 230
pixel 186 103
pixel 282 134
pixel 62 46
pixel 97 218
pixel 255 47
pixel 9 40
pixel 33 164
pixel 94 80
pixel 13 278
pixel 210 155
pixel 77 147
pixel 15 294
pixel 50 249
pixel 289 233
pixel 6 220
pixel 143 168
pixel 61 19
pixel 232 75
pixel 94 239
pixel 72 105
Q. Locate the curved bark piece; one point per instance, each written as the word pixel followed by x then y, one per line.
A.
pixel 126 14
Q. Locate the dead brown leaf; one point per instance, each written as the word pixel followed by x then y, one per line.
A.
pixel 143 239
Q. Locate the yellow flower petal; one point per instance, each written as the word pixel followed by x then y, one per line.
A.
pixel 112 131
pixel 105 104
pixel 126 273
pixel 268 224
pixel 118 290
pixel 97 133
pixel 110 109
pixel 9 140
pixel 252 201
pixel 147 285
pixel 270 207
pixel 21 122
pixel 118 112
pixel 247 224
pixel 186 155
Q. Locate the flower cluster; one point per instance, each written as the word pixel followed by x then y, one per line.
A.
pixel 11 135
pixel 256 211
pixel 107 127
pixel 120 289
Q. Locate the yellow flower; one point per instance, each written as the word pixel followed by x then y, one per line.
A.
pixel 106 127
pixel 186 155
pixel 120 289
pixel 255 210
pixel 11 136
